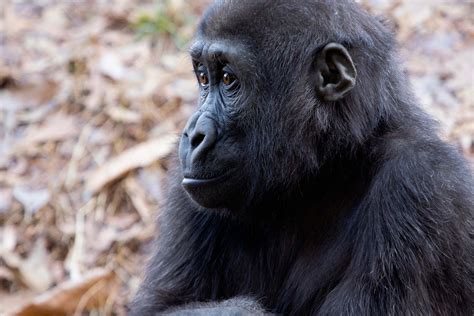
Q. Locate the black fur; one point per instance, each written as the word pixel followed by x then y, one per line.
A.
pixel 347 207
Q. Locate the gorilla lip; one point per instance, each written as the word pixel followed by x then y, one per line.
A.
pixel 192 182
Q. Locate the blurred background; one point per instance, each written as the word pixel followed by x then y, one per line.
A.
pixel 93 93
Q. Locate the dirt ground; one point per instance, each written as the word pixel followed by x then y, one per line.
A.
pixel 93 94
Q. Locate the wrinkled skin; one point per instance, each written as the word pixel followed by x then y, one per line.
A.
pixel 308 179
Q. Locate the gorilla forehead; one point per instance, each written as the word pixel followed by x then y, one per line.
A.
pixel 257 17
pixel 269 24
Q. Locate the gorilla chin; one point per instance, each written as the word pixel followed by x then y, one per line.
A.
pixel 214 193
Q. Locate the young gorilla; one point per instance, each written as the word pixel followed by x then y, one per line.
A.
pixel 310 181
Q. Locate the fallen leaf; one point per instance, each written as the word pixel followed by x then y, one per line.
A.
pixel 123 221
pixel 138 196
pixel 8 239
pixel 123 115
pixel 88 293
pixel 111 66
pixel 11 301
pixel 32 200
pixel 186 89
pixel 8 243
pixel 35 270
pixel 32 94
pixel 6 274
pixel 141 155
pixel 137 232
pixel 5 200
pixel 57 128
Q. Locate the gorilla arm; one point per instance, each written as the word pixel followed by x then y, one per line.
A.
pixel 407 252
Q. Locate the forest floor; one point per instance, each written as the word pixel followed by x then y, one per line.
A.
pixel 92 96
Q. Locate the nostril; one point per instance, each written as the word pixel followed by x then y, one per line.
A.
pixel 197 139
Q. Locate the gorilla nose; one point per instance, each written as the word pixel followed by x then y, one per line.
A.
pixel 202 136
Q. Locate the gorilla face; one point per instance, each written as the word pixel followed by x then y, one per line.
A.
pixel 213 144
pixel 255 130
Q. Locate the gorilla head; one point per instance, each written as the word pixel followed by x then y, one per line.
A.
pixel 274 102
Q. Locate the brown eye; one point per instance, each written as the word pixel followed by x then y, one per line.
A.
pixel 203 79
pixel 228 79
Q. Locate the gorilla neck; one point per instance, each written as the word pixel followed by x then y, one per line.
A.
pixel 327 195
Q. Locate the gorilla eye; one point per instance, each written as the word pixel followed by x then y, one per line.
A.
pixel 203 79
pixel 228 79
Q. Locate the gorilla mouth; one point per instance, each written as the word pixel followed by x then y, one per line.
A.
pixel 210 192
pixel 194 182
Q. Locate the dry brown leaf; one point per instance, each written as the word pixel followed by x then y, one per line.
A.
pixel 11 301
pixel 111 66
pixel 123 115
pixel 8 239
pixel 6 274
pixel 123 221
pixel 74 259
pixel 6 199
pixel 8 242
pixel 35 270
pixel 141 155
pixel 137 232
pixel 32 94
pixel 88 293
pixel 32 200
pixel 186 89
pixel 138 196
pixel 57 128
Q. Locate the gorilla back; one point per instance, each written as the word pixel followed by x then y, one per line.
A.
pixel 308 179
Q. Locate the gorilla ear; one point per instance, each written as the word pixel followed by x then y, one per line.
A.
pixel 335 72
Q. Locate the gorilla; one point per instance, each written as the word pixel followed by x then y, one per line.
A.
pixel 309 182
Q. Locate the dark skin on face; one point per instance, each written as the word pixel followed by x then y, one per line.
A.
pixel 219 69
pixel 308 181
pixel 210 173
pixel 210 176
